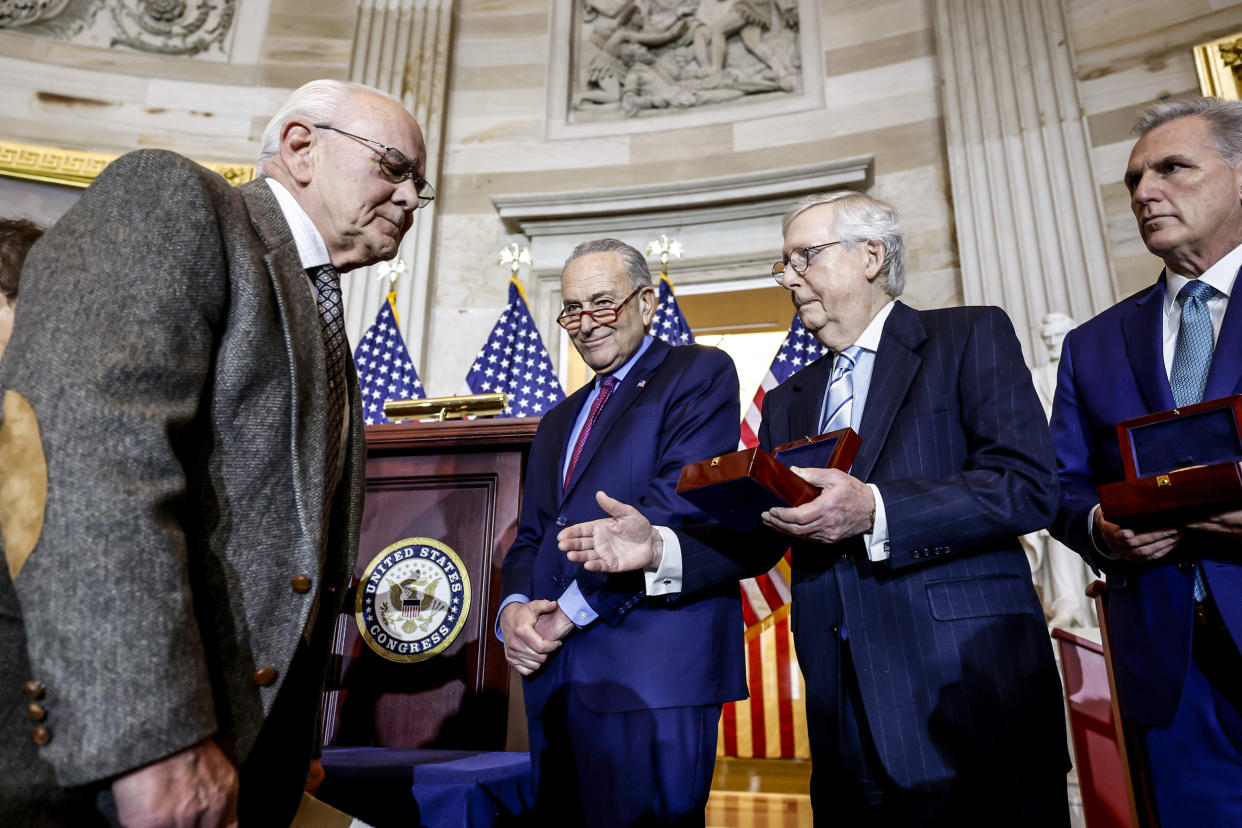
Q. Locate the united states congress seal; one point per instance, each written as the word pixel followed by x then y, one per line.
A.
pixel 413 600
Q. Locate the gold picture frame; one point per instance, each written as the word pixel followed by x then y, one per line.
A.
pixel 1220 67
pixel 75 168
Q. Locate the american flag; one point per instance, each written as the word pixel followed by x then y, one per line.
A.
pixel 799 350
pixel 385 371
pixel 514 362
pixel 772 722
pixel 669 324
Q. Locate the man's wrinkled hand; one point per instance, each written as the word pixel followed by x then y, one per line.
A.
pixel 196 788
pixel 623 542
pixel 843 508
pixel 525 649
pixel 1227 525
pixel 555 625
pixel 1139 547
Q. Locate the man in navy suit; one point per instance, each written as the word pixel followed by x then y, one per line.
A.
pixel 1173 591
pixel 623 692
pixel 932 696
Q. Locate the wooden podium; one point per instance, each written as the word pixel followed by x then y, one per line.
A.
pixel 459 483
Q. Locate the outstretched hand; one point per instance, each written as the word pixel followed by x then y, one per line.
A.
pixel 844 508
pixel 623 542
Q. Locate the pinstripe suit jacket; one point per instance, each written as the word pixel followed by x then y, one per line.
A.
pixel 947 637
pixel 171 350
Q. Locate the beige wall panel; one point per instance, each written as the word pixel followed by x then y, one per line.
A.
pixel 1100 22
pixel 506 25
pixel 856 57
pixel 483 78
pixel 499 51
pixel 853 22
pixel 681 144
pixel 534 156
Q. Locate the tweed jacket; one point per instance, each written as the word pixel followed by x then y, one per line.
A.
pixel 170 353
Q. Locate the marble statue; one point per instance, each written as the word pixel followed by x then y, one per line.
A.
pixel 1060 575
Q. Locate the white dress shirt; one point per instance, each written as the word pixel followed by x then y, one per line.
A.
pixel 313 253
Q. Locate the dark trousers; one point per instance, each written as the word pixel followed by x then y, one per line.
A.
pixel 634 768
pixel 850 787
pixel 1195 764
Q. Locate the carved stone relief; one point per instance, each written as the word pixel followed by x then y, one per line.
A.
pixel 166 27
pixel 644 57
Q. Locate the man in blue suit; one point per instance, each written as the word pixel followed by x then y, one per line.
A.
pixel 623 692
pixel 1174 592
pixel 932 696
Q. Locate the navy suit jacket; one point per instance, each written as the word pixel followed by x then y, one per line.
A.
pixel 1112 369
pixel 947 637
pixel 675 406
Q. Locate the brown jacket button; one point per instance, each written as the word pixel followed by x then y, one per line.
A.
pixel 42 735
pixel 36 712
pixel 33 689
pixel 264 676
pixel 301 584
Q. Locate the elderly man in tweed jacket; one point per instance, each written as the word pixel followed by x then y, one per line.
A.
pixel 181 471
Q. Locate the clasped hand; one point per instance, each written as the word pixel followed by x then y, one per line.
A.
pixel 532 632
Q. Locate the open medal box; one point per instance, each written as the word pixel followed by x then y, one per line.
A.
pixel 1180 465
pixel 736 488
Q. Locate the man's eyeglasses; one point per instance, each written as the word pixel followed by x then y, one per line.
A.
pixel 799 260
pixel 395 165
pixel 571 321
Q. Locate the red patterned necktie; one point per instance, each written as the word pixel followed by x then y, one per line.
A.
pixel 605 391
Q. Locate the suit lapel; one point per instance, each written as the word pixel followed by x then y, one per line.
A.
pixel 896 364
pixel 1143 331
pixel 303 346
pixel 1225 376
pixel 623 396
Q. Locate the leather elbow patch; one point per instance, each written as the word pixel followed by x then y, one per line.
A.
pixel 23 480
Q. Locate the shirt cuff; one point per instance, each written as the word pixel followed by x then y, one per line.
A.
pixel 876 540
pixel 666 580
pixel 576 607
pixel 515 598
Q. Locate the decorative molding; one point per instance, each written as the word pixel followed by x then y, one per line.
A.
pixel 171 27
pixel 701 201
pixel 74 168
pixel 662 78
pixel 1219 63
pixel 1030 227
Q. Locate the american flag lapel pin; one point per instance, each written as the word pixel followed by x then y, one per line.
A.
pixel 641 384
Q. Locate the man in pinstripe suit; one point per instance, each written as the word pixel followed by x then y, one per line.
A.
pixel 932 693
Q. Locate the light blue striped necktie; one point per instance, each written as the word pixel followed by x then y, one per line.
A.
pixel 839 402
pixel 1192 359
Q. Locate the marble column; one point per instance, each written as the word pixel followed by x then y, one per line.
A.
pixel 402 47
pixel 1030 228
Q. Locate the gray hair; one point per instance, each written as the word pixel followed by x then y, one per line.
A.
pixel 635 263
pixel 858 218
pixel 318 101
pixel 1224 120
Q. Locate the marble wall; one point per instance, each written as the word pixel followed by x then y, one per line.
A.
pixel 876 92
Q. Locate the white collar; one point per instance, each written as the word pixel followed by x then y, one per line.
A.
pixel 1220 276
pixel 311 248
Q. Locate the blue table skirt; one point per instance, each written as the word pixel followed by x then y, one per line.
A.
pixel 395 788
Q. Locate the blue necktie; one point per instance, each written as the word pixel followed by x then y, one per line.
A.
pixel 839 403
pixel 1192 359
